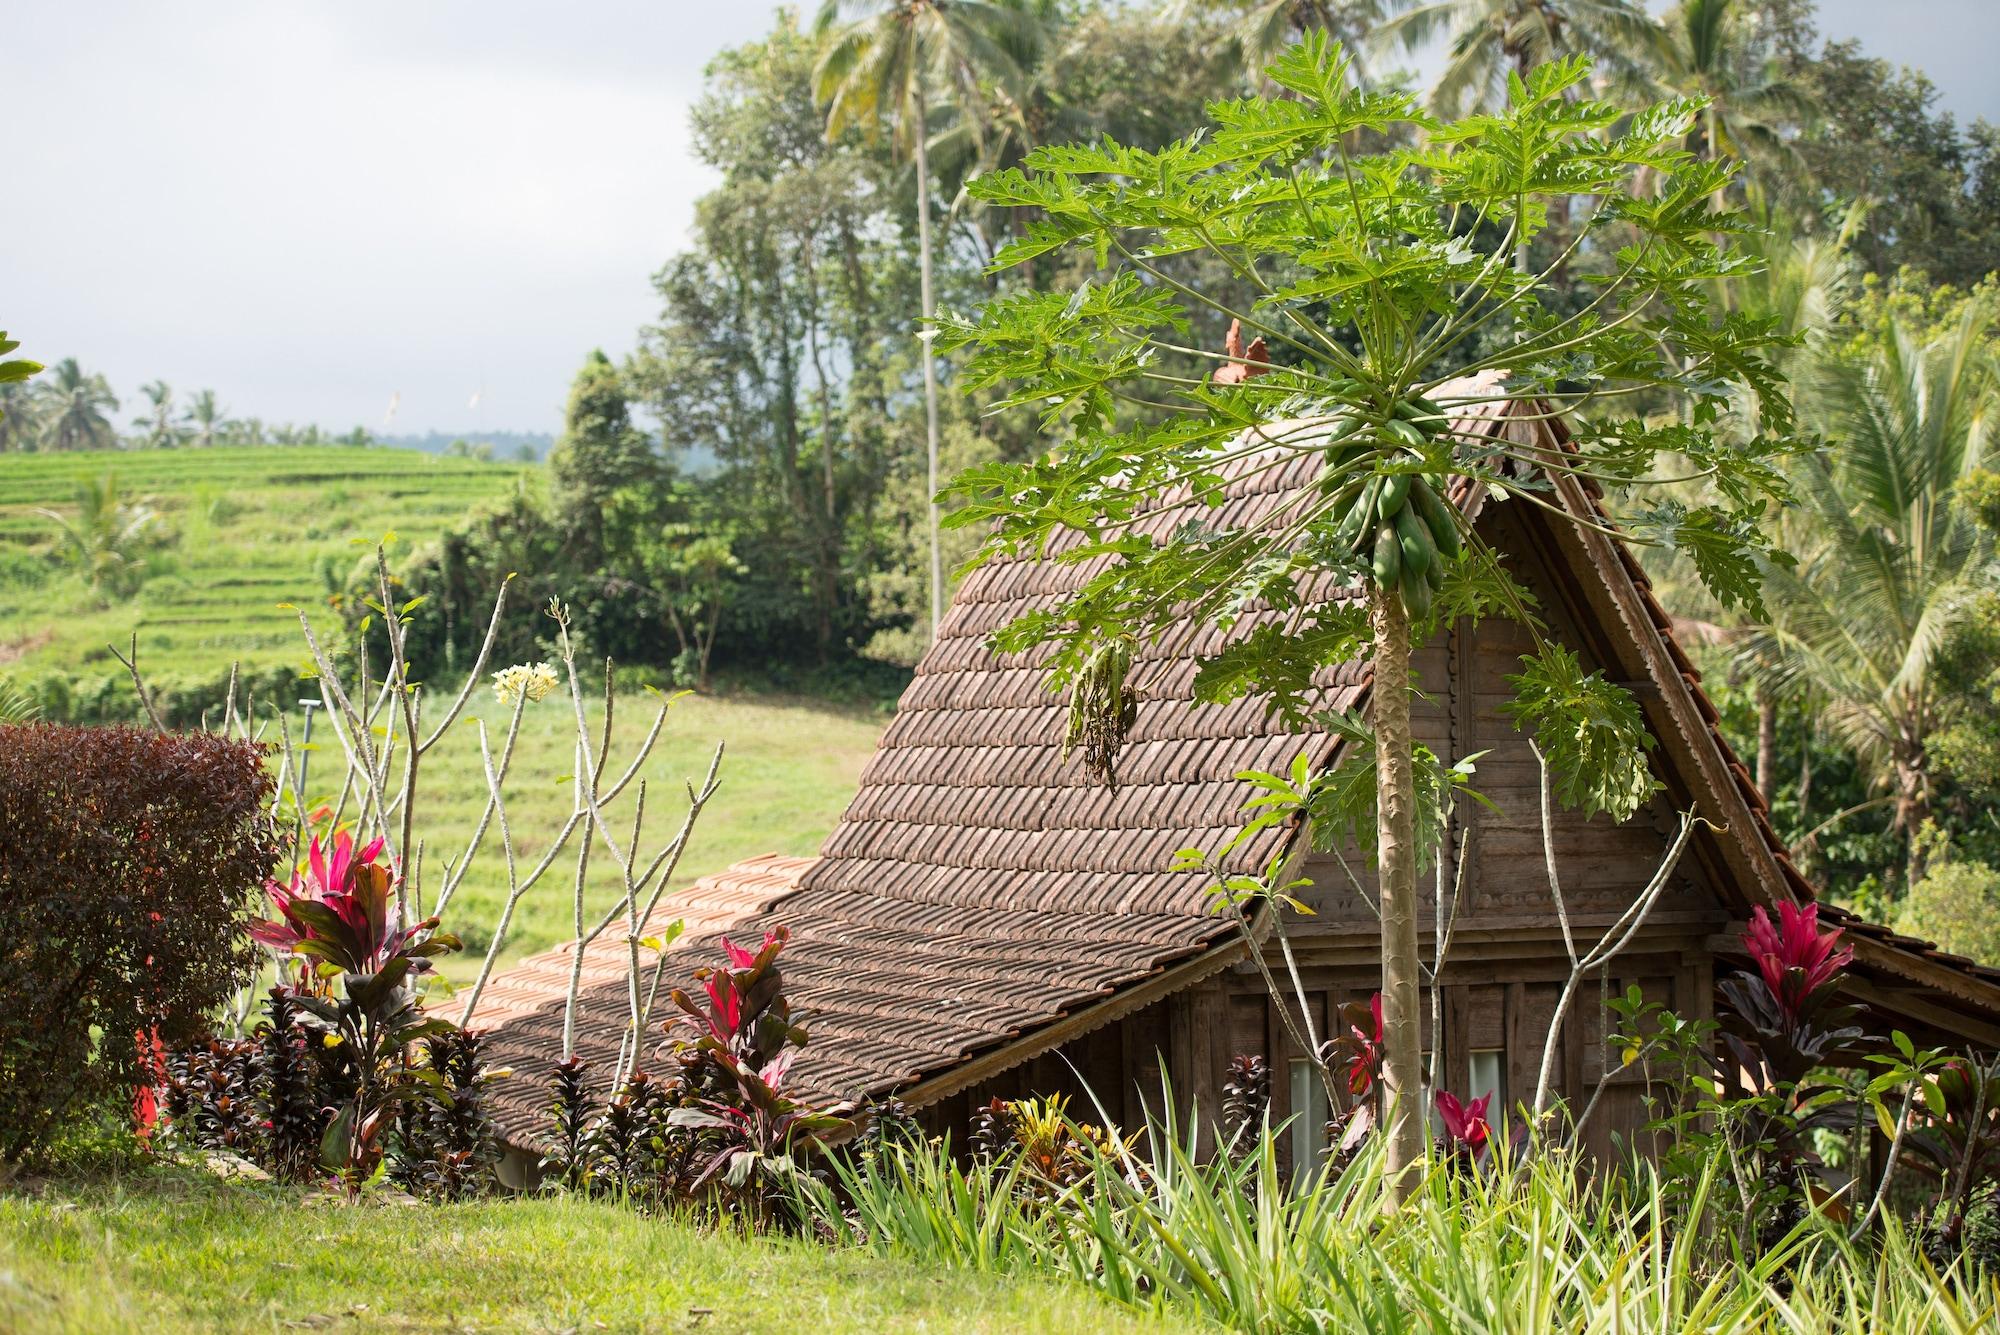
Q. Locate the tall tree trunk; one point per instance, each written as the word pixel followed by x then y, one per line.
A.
pixel 1396 858
pixel 930 360
pixel 1767 742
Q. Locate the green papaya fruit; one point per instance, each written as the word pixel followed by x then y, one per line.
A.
pixel 1388 556
pixel 1439 518
pixel 1415 540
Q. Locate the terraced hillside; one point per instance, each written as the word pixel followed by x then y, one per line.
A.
pixel 247 529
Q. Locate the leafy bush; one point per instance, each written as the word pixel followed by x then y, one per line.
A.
pixel 721 1130
pixel 761 1138
pixel 446 1136
pixel 1957 905
pixel 127 859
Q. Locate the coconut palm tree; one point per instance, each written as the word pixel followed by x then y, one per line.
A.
pixel 1719 49
pixel 1487 40
pixel 1260 30
pixel 105 540
pixel 157 422
pixel 882 63
pixel 20 417
pixel 76 408
pixel 16 704
pixel 1895 559
pixel 205 418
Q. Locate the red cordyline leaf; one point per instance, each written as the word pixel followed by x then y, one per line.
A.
pixel 1367 1051
pixel 1465 1122
pixel 1795 958
pixel 352 886
pixel 741 960
pixel 726 1006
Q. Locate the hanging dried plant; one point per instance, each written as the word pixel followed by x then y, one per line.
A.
pixel 1102 708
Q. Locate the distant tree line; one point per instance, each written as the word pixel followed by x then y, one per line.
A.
pixel 68 408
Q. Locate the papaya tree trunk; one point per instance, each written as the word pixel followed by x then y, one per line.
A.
pixel 1396 859
pixel 1767 741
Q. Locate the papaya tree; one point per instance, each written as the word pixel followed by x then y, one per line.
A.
pixel 1377 248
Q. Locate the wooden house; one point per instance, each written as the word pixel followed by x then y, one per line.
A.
pixel 989 920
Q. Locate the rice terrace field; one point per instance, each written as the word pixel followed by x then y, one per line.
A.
pixel 244 529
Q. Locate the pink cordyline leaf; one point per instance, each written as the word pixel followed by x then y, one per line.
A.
pixel 351 885
pixel 742 960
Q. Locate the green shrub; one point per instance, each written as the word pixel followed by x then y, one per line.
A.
pixel 127 859
pixel 1957 905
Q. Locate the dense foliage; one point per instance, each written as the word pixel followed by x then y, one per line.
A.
pixel 127 862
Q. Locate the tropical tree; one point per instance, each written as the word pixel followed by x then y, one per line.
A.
pixel 599 453
pixel 76 408
pixel 1804 284
pixel 1720 50
pixel 1487 41
pixel 1259 30
pixel 157 422
pixel 17 404
pixel 882 64
pixel 1367 285
pixel 1895 558
pixel 105 540
pixel 205 419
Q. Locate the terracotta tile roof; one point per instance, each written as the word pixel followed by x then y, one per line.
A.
pixel 522 1008
pixel 980 887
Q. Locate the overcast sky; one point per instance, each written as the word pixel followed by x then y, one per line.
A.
pixel 315 207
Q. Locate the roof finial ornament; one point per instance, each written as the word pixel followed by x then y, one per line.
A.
pixel 1244 363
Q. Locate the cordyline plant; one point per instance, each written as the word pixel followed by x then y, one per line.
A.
pixel 1390 303
pixel 744 1046
pixel 341 916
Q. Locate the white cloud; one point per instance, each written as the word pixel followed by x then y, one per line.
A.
pixel 312 207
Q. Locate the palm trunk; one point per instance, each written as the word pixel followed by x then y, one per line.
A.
pixel 1396 858
pixel 930 361
pixel 1767 742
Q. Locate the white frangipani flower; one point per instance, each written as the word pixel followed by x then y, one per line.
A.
pixel 533 680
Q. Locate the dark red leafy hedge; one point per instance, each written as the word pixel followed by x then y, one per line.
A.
pixel 127 863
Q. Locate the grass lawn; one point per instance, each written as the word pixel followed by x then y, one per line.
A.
pixel 256 527
pixel 789 769
pixel 251 527
pixel 171 1251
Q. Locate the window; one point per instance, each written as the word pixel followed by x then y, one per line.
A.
pixel 1310 1114
pixel 1489 1076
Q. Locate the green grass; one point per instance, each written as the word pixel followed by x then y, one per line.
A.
pixel 789 768
pixel 251 529
pixel 168 1252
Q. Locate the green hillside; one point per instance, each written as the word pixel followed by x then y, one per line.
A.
pixel 245 530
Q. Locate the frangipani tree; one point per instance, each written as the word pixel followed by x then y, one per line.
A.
pixel 1374 276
